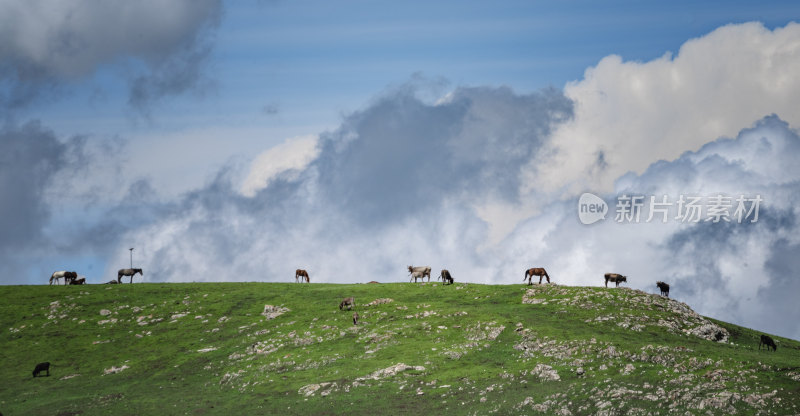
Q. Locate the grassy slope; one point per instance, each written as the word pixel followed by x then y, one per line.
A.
pixel 479 345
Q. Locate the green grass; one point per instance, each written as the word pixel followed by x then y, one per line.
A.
pixel 480 346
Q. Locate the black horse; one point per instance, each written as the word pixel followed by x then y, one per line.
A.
pixel 664 288
pixel 769 342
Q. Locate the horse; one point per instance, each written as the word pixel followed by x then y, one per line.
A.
pixel 45 366
pixel 445 276
pixel 128 272
pixel 355 318
pixel 768 341
pixel 349 302
pixel 299 274
pixel 78 281
pixel 536 271
pixel 68 276
pixel 425 270
pixel 664 288
pixel 418 275
pixel 616 278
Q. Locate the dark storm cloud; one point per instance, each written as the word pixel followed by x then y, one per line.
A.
pixel 30 157
pixel 402 156
pixel 46 45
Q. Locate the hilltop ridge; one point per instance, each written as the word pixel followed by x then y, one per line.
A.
pixel 221 348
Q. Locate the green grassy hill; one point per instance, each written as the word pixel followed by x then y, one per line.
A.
pixel 213 348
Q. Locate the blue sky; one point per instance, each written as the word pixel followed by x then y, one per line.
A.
pixel 242 140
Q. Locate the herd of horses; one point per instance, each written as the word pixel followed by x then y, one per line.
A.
pixel 421 272
pixel 71 278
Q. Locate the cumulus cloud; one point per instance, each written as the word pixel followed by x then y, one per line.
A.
pixel 287 158
pixel 728 270
pixel 631 114
pixel 46 44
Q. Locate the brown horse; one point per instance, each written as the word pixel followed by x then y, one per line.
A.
pixel 128 272
pixel 536 271
pixel 78 281
pixel 616 278
pixel 446 277
pixel 420 271
pixel 347 302
pixel 299 274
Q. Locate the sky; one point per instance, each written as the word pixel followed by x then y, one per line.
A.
pixel 239 141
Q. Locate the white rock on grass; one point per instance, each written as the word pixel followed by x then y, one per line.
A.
pixel 272 312
pixel 114 370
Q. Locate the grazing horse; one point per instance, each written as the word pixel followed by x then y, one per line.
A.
pixel 616 278
pixel 78 281
pixel 299 274
pixel 45 366
pixel 68 276
pixel 425 270
pixel 768 341
pixel 348 302
pixel 445 276
pixel 664 288
pixel 536 271
pixel 128 272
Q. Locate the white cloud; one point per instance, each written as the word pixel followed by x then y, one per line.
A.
pixel 292 155
pixel 631 114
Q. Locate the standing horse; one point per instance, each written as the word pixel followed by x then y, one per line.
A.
pixel 664 288
pixel 616 278
pixel 418 275
pixel 68 276
pixel 299 274
pixel 536 271
pixel 424 270
pixel 128 272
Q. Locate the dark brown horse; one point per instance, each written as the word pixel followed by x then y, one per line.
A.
pixel 446 277
pixel 616 278
pixel 536 271
pixel 78 281
pixel 128 272
pixel 299 274
pixel 664 288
